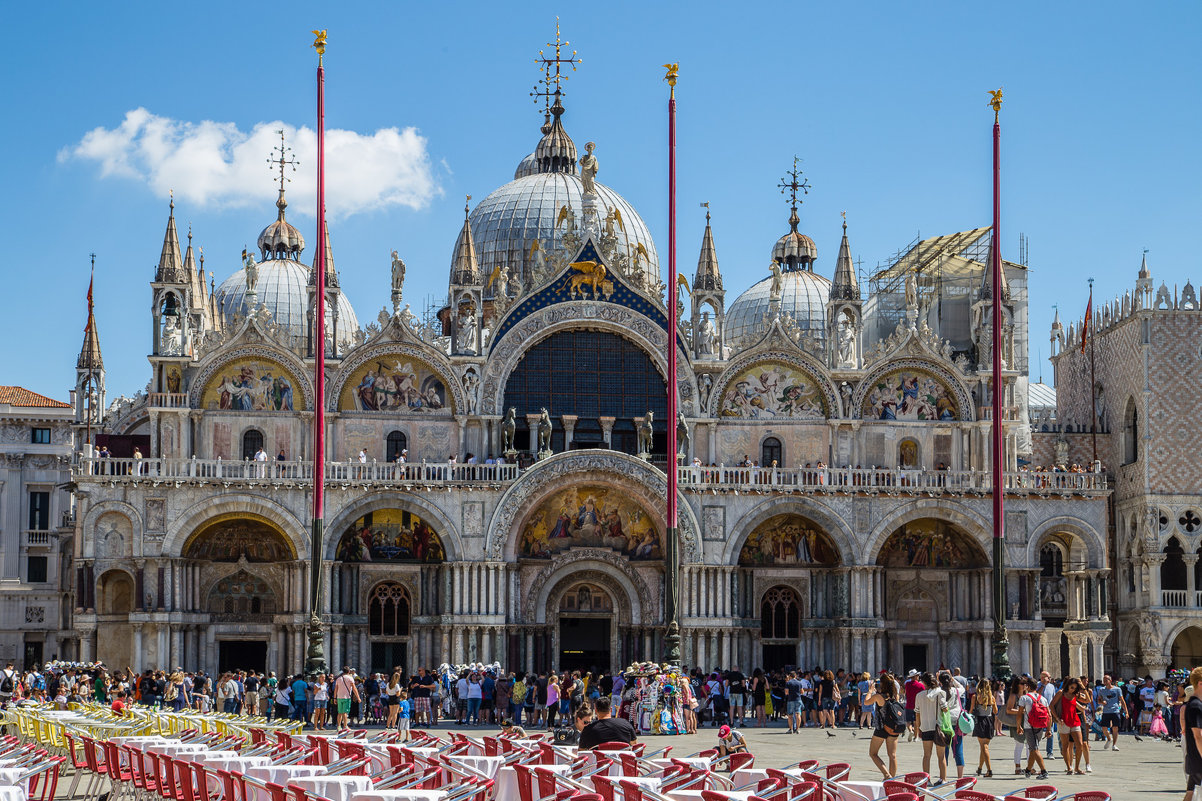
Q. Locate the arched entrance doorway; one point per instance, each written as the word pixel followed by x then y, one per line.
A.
pixel 791 559
pixel 242 598
pixel 1187 648
pixel 389 613
pixel 115 600
pixel 586 617
pixel 936 588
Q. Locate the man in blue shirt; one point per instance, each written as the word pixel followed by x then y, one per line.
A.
pixel 1114 706
pixel 300 707
pixel 793 702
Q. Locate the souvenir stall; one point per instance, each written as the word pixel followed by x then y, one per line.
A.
pixel 653 698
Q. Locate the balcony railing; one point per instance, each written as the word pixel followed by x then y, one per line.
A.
pixel 205 471
pixel 37 538
pixel 167 400
pixel 1175 598
pixel 848 479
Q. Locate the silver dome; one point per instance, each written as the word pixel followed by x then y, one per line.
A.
pixel 283 290
pixel 506 222
pixel 527 166
pixel 803 298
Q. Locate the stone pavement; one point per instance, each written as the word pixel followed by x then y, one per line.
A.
pixel 1140 770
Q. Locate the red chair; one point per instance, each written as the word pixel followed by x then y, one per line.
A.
pixel 525 777
pixel 230 786
pixel 78 763
pixel 837 771
pixel 1091 795
pixel 740 761
pixel 283 738
pixel 893 786
pixel 97 767
pixel 347 750
pixel 119 773
pixel 44 774
pixel 974 795
pixel 142 778
pixel 918 778
pixel 902 797
pixel 1039 791
pixel 807 764
pixel 613 746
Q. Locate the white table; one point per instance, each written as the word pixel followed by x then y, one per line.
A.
pixel 744 776
pixel 11 776
pixel 487 765
pixel 335 788
pixel 697 763
pixel 399 795
pixel 231 761
pixel 13 794
pixel 279 774
pixel 142 740
pixel 695 795
pixel 865 790
pixel 506 786
pixel 175 748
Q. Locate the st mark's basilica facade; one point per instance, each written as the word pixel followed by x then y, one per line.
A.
pixel 834 477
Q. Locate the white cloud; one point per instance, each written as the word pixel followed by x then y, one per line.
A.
pixel 215 164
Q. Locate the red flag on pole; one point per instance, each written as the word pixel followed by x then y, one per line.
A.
pixel 1085 325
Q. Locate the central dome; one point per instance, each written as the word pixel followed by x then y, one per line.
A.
pixel 506 223
pixel 803 298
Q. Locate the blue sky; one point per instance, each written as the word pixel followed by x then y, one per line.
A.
pixel 885 104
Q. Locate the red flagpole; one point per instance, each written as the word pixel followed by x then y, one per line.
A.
pixel 672 579
pixel 1001 658
pixel 315 661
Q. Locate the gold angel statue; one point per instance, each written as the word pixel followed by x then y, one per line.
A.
pixel 319 43
pixel 672 70
pixel 995 101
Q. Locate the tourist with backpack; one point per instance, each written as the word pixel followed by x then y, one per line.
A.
pixel 890 722
pixel 1033 721
pixel 8 685
pixel 984 710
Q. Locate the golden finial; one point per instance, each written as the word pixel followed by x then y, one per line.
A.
pixel 672 69
pixel 467 205
pixel 319 44
pixel 283 161
pixel 171 194
pixel 843 214
pixel 552 69
pixel 706 206
pixel 995 101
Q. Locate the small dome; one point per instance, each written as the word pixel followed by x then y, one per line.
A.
pixel 527 166
pixel 803 298
pixel 281 240
pixel 794 248
pixel 282 289
pixel 556 152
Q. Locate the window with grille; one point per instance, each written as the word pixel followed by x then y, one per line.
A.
pixel 780 614
pixel 396 443
pixel 388 611
pixel 252 441
pixel 771 453
pixel 590 374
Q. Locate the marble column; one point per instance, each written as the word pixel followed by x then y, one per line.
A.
pixel 138 649
pixel 569 428
pixel 607 430
pixel 532 424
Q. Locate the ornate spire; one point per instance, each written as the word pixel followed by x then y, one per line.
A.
pixel 89 354
pixel 708 276
pixel 171 269
pixel 465 266
pixel 196 283
pixel 986 292
pixel 845 286
pixel 1144 272
pixel 556 152
pixel 200 272
pixel 281 240
pixel 794 250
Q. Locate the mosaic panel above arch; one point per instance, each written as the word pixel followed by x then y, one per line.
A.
pixel 590 516
pixel 910 395
pixel 396 382
pixel 773 390
pixel 931 543
pixel 788 540
pixel 253 384
pixel 390 535
pixel 230 538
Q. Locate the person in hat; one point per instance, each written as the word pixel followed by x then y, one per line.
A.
pixel 730 741
pixel 508 729
pixel 345 690
pixel 913 688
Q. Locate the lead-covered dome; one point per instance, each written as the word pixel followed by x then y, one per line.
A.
pixel 803 299
pixel 282 289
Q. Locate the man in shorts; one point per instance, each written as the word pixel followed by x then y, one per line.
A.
pixel 1114 706
pixel 1032 734
pixel 345 691
pixel 737 683
pixel 793 702
pixel 1193 735
pixel 419 693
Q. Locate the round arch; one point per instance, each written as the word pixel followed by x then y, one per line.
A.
pixel 644 332
pixel 941 371
pixel 203 531
pixel 974 525
pixel 798 360
pixel 192 519
pixel 429 357
pixel 1082 534
pixel 92 518
pixel 106 592
pixel 1186 634
pixel 633 603
pixel 225 357
pixel 810 508
pixel 446 530
pixel 645 483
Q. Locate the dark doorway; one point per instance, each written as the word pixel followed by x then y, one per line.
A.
pixel 241 655
pixel 252 441
pixel 386 656
pixel 914 657
pixel 584 644
pixel 33 654
pixel 395 443
pixel 779 655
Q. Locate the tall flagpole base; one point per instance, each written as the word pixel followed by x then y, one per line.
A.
pixel 315 656
pixel 671 648
pixel 1001 656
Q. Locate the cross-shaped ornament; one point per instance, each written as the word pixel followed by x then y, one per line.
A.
pixel 283 161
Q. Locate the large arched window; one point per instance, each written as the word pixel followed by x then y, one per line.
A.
pixel 1130 432
pixel 780 614
pixel 1172 570
pixel 388 610
pixel 395 444
pixel 252 441
pixel 1051 561
pixel 589 374
pixel 241 595
pixel 771 454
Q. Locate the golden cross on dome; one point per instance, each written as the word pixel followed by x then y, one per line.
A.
pixel 793 183
pixel 283 161
pixel 553 68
